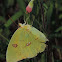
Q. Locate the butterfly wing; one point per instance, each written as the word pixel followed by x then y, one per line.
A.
pixel 25 43
pixel 38 34
pixel 32 44
pixel 13 50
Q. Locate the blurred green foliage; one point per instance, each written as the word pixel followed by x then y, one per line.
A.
pixel 45 16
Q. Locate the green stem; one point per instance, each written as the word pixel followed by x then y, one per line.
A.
pixel 27 18
pixel 3 37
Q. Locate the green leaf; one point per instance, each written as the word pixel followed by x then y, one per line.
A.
pixel 43 58
pixel 14 18
pixel 4 37
pixel 21 4
pixel 10 2
pixel 1 30
pixel 49 12
pixel 2 19
pixel 45 6
pixel 59 29
pixel 60 16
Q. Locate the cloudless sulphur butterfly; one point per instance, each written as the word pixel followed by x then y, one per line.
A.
pixel 26 42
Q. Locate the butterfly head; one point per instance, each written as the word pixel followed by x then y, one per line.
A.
pixel 26 26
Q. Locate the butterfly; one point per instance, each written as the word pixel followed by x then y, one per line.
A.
pixel 26 42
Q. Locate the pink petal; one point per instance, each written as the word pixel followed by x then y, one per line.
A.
pixel 28 9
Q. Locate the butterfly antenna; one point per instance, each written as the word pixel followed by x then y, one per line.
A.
pixel 12 20
pixel 18 23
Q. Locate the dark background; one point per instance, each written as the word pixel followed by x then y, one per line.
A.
pixel 46 16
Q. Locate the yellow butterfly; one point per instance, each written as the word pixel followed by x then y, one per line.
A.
pixel 26 42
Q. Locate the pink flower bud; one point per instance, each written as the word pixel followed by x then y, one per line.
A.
pixel 28 9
